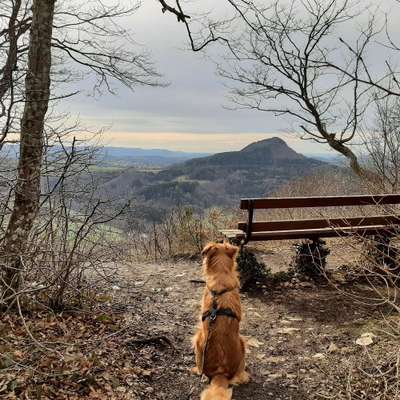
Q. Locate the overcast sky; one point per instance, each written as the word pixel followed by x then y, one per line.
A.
pixel 187 115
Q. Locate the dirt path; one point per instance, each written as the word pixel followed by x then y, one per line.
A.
pixel 301 341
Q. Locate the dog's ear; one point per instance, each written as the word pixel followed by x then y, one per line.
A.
pixel 231 250
pixel 209 250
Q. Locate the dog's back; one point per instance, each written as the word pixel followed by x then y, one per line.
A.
pixel 219 348
pixel 225 350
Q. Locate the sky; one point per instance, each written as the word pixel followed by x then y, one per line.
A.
pixel 191 113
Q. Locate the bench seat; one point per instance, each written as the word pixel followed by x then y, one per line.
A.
pixel 239 235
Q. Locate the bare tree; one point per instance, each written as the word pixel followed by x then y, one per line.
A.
pixel 27 190
pixel 381 143
pixel 278 68
pixel 91 38
pixel 15 18
pixel 290 59
pixel 88 36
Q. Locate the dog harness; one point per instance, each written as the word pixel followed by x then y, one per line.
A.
pixel 212 316
pixel 215 311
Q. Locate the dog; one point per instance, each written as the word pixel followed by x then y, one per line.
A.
pixel 219 348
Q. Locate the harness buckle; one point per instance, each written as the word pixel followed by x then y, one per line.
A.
pixel 213 314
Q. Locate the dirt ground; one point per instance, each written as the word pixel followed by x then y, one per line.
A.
pixel 302 342
pixel 294 336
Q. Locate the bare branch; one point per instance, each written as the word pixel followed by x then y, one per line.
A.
pixel 180 15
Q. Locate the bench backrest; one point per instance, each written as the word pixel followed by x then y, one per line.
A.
pixel 327 201
pixel 251 226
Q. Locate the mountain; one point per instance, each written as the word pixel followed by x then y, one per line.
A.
pixel 269 156
pixel 217 180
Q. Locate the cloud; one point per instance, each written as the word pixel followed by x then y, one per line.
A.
pixel 191 108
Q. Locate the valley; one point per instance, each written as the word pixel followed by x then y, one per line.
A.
pixel 218 180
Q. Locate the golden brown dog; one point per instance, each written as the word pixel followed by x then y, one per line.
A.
pixel 219 348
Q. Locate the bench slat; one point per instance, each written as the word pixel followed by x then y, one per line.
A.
pixel 327 201
pixel 233 233
pixel 284 225
pixel 320 233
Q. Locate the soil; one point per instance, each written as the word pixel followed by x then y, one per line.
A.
pixel 296 337
pixel 137 344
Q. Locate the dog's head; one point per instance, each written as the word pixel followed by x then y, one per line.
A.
pixel 219 250
pixel 212 249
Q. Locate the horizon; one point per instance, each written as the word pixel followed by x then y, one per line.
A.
pixel 223 142
pixel 210 143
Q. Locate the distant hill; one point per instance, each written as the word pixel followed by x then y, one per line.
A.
pixel 332 158
pixel 271 157
pixel 216 180
pixel 146 157
pixel 125 156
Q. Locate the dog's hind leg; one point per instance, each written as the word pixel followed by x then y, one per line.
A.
pixel 241 377
pixel 198 345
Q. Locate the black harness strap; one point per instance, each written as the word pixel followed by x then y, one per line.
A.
pixel 215 311
pixel 227 312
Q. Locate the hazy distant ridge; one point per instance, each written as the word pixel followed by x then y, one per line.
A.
pixel 127 156
pixel 138 152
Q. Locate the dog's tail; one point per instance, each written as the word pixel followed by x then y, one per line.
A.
pixel 218 390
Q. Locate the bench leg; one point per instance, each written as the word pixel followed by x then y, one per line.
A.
pixel 310 258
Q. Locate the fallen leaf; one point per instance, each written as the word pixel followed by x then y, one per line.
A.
pixel 253 342
pixel 288 331
pixel 332 348
pixel 294 318
pixel 275 360
pixel 365 339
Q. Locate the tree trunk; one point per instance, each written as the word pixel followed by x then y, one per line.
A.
pixel 27 190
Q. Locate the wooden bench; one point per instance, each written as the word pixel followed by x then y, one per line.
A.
pixel 313 229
